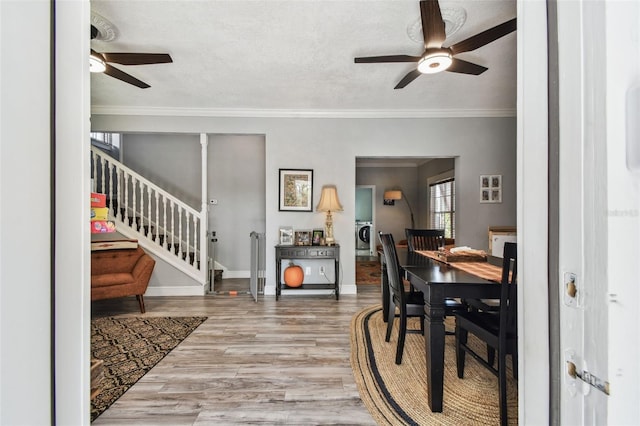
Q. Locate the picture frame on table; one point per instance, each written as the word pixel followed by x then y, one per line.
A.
pixel 295 190
pixel 303 238
pixel 286 235
pixel 318 237
pixel 490 188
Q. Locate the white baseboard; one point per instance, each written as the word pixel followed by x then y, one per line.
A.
pixel 176 291
pixel 235 274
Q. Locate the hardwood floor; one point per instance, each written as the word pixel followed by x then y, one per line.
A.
pixel 280 363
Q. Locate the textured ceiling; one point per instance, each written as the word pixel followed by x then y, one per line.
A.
pixel 296 56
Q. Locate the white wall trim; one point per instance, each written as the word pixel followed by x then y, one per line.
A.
pixel 290 113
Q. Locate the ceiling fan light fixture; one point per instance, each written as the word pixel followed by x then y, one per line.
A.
pixel 96 63
pixel 436 62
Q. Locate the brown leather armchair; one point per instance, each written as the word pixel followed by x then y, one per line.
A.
pixel 120 273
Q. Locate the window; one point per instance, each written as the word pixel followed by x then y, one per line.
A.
pixel 107 140
pixel 442 209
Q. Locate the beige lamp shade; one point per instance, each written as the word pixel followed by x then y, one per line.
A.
pixel 329 201
pixel 393 195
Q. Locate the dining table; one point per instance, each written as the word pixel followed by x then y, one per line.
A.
pixel 437 281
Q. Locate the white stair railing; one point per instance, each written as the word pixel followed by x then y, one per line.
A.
pixel 162 223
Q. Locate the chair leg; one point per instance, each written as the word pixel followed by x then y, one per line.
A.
pixel 502 385
pixel 140 298
pixel 514 364
pixel 401 335
pixel 390 317
pixel 461 339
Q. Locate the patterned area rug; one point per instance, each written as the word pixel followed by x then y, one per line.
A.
pixel 397 394
pixel 129 348
pixel 368 272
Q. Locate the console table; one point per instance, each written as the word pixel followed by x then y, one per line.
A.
pixel 307 252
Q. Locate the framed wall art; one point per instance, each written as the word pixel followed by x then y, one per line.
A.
pixel 490 188
pixel 296 190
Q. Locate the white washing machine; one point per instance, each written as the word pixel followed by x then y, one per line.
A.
pixel 363 235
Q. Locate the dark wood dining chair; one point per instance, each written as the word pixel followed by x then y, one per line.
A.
pixel 424 239
pixel 498 331
pixel 432 239
pixel 410 304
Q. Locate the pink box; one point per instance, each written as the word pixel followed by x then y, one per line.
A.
pixel 102 226
pixel 98 200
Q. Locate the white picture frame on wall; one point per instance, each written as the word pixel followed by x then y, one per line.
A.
pixel 490 188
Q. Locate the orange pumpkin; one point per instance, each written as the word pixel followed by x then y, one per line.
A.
pixel 293 275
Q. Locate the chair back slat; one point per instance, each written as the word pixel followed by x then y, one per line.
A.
pixel 509 290
pixel 424 239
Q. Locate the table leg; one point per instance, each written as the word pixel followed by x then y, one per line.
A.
pixel 434 335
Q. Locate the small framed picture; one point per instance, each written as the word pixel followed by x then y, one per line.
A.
pixel 296 190
pixel 286 235
pixel 303 238
pixel 491 188
pixel 318 236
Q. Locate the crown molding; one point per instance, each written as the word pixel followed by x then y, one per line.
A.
pixel 292 113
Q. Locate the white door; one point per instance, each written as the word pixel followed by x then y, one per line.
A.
pixel 598 61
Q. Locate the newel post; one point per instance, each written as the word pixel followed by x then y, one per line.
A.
pixel 204 214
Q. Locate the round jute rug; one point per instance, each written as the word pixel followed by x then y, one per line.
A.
pixel 397 394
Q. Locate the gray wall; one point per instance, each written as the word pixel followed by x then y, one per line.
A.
pixel 237 181
pixel 330 146
pixel 171 161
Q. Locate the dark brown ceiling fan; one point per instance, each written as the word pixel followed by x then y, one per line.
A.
pixel 437 58
pixel 100 62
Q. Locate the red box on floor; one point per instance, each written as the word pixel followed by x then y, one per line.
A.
pixel 98 200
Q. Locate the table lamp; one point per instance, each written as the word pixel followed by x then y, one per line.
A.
pixel 329 203
pixel 396 194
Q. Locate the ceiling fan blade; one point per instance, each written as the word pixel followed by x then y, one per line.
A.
pixel 123 76
pixel 408 79
pixel 464 67
pixel 432 24
pixel 137 58
pixel 388 58
pixel 485 37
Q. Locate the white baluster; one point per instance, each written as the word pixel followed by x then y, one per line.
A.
pixel 94 158
pixel 180 233
pixel 173 228
pixel 164 222
pixel 127 179
pixel 195 241
pixel 148 211
pixel 188 259
pixel 157 218
pixel 134 204
pixel 119 196
pixel 111 172
pixel 102 173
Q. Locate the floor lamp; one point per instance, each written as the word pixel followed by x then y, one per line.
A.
pixel 329 203
pixel 396 194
